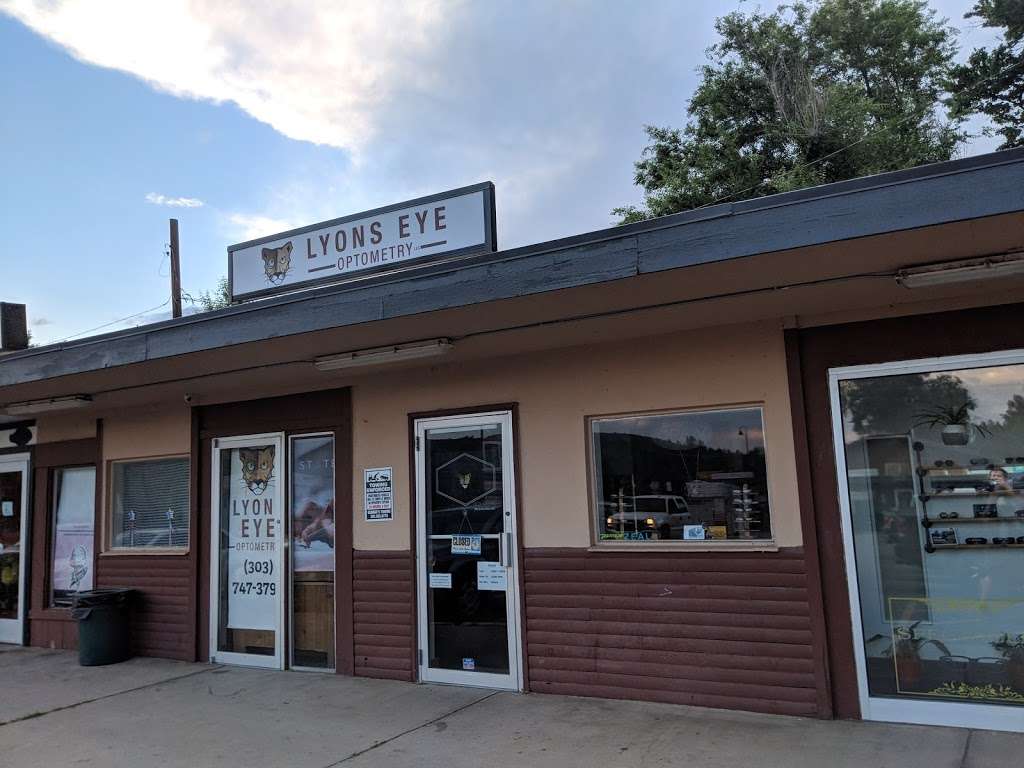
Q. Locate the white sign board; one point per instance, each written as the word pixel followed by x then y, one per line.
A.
pixel 378 495
pixel 440 581
pixel 455 223
pixel 254 541
pixel 463 544
pixel 491 576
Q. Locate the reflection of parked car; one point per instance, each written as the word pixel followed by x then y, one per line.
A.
pixel 654 513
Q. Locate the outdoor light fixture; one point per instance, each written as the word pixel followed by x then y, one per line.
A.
pixel 31 407
pixel 966 271
pixel 380 355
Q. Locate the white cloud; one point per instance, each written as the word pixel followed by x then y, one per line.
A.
pixel 174 202
pixel 245 226
pixel 546 100
pixel 317 72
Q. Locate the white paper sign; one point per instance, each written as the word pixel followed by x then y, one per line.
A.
pixel 7 508
pixel 440 581
pixel 463 544
pixel 491 576
pixel 254 539
pixel 446 224
pixel 378 495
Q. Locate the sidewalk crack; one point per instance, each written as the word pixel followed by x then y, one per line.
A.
pixel 406 732
pixel 967 748
pixel 44 713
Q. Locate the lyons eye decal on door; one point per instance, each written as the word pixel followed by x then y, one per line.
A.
pixel 257 468
pixel 277 262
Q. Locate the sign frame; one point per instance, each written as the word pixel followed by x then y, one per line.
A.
pixel 489 244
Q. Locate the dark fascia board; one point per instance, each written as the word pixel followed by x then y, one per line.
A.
pixel 974 187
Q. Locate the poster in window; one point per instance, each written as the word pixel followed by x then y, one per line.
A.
pixel 312 499
pixel 73 533
pixel 254 538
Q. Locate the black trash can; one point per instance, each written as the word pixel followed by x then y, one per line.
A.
pixel 104 624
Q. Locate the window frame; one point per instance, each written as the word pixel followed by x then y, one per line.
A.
pixel 706 545
pixel 107 547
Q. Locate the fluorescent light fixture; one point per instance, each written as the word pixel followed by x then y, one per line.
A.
pixel 381 355
pixel 967 271
pixel 31 407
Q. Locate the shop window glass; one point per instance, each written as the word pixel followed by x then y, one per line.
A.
pixel 311 475
pixel 150 504
pixel 935 487
pixel 74 514
pixel 687 476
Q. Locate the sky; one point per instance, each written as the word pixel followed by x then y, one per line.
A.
pixel 242 120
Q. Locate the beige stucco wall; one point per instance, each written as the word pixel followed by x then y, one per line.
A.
pixel 55 427
pixel 145 433
pixel 556 391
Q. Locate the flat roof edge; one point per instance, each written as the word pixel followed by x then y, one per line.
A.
pixel 652 231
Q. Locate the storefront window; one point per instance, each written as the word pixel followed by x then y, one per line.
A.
pixel 150 504
pixel 312 551
pixel 687 476
pixel 934 465
pixel 74 514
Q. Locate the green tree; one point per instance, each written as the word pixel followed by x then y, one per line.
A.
pixel 816 92
pixel 218 298
pixel 992 81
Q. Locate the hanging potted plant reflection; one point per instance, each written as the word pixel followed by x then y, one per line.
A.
pixel 955 421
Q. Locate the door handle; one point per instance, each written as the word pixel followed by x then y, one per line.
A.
pixel 505 549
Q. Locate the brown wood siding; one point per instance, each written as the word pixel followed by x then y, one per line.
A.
pixel 384 607
pixel 163 616
pixel 989 329
pixel 729 630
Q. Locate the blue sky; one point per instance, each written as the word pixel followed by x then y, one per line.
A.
pixel 265 120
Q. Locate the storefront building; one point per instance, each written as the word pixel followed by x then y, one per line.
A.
pixel 763 456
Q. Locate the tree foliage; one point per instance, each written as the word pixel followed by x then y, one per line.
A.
pixel 218 298
pixel 816 92
pixel 992 81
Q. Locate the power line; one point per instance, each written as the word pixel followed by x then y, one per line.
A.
pixel 112 322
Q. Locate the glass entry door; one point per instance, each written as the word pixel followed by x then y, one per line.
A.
pixel 13 538
pixel 247 552
pixel 931 477
pixel 467 551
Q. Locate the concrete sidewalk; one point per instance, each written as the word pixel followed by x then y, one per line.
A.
pixel 149 712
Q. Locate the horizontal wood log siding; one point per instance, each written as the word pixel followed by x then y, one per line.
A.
pixel 163 616
pixel 384 607
pixel 728 630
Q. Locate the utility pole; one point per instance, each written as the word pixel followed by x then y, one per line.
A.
pixel 175 271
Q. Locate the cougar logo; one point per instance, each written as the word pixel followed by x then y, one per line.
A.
pixel 464 479
pixel 257 467
pixel 277 262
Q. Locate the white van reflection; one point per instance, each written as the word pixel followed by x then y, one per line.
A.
pixel 650 516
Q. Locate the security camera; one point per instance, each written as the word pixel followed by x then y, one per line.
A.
pixel 188 398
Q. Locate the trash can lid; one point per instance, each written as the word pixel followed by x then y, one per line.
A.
pixel 94 597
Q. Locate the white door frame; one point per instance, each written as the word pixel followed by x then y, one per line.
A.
pixel 227 443
pixel 906 710
pixel 13 630
pixel 508 546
